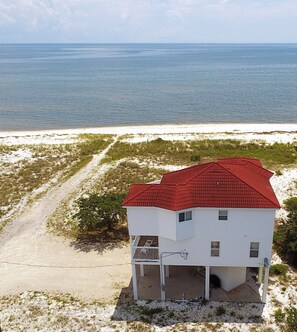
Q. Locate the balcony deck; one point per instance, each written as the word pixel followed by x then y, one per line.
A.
pixel 145 249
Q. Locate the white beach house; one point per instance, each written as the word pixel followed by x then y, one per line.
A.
pixel 217 216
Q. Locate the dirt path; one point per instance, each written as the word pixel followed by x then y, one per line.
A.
pixel 31 259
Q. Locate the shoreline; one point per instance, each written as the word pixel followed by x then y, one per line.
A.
pixel 203 128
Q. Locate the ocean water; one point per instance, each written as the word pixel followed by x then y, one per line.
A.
pixel 46 86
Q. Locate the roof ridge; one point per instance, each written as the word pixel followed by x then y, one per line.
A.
pixel 149 185
pixel 196 175
pixel 229 171
pixel 141 192
pixel 266 170
pixel 183 169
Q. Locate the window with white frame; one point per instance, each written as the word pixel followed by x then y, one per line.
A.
pixel 223 215
pixel 185 216
pixel 215 248
pixel 254 249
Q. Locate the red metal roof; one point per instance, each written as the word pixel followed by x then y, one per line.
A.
pixel 226 183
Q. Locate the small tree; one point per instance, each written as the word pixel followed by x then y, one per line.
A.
pixel 99 212
pixel 285 237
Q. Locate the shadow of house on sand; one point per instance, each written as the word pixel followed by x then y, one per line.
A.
pixel 192 311
pixel 101 241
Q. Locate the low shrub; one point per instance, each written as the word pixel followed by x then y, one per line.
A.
pixel 220 311
pixel 279 315
pixel 291 319
pixel 278 172
pixel 150 311
pixel 278 269
pixel 195 158
pixel 285 235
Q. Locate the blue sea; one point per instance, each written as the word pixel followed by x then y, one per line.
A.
pixel 48 86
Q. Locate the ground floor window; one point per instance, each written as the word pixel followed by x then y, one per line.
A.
pixel 254 249
pixel 215 248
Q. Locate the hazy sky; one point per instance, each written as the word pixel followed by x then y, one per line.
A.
pixel 112 21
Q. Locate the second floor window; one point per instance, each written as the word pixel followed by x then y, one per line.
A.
pixel 215 248
pixel 254 249
pixel 223 215
pixel 184 216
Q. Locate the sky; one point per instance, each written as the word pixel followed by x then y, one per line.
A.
pixel 148 21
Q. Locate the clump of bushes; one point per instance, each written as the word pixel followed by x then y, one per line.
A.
pixel 150 311
pixel 279 315
pixel 285 236
pixel 98 212
pixel 220 311
pixel 195 158
pixel 278 270
pixel 289 317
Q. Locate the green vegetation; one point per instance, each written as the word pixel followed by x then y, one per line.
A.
pixel 48 162
pixel 278 172
pixel 116 180
pixel 187 152
pixel 150 311
pixel 291 319
pixel 285 236
pixel 120 178
pixel 279 315
pixel 278 270
pixel 99 212
pixel 220 311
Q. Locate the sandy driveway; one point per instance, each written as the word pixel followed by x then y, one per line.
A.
pixel 31 259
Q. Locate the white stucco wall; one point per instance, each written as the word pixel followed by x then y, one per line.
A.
pixel 167 224
pixel 231 277
pixel 235 234
pixel 143 221
pixel 185 229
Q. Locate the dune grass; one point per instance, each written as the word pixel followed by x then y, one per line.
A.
pixel 48 163
pixel 160 151
pixel 119 179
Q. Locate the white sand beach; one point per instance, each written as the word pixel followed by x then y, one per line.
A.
pixel 269 132
pixel 166 129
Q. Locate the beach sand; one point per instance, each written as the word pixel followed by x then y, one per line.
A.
pixel 31 244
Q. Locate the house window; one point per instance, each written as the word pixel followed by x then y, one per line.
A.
pixel 223 215
pixel 215 248
pixel 184 216
pixel 254 249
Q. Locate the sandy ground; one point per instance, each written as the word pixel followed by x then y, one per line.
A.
pixel 279 132
pixel 166 129
pixel 31 259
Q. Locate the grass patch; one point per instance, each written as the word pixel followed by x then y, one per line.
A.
pixel 220 311
pixel 150 311
pixel 279 315
pixel 119 179
pixel 48 162
pixel 189 152
pixel 278 270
